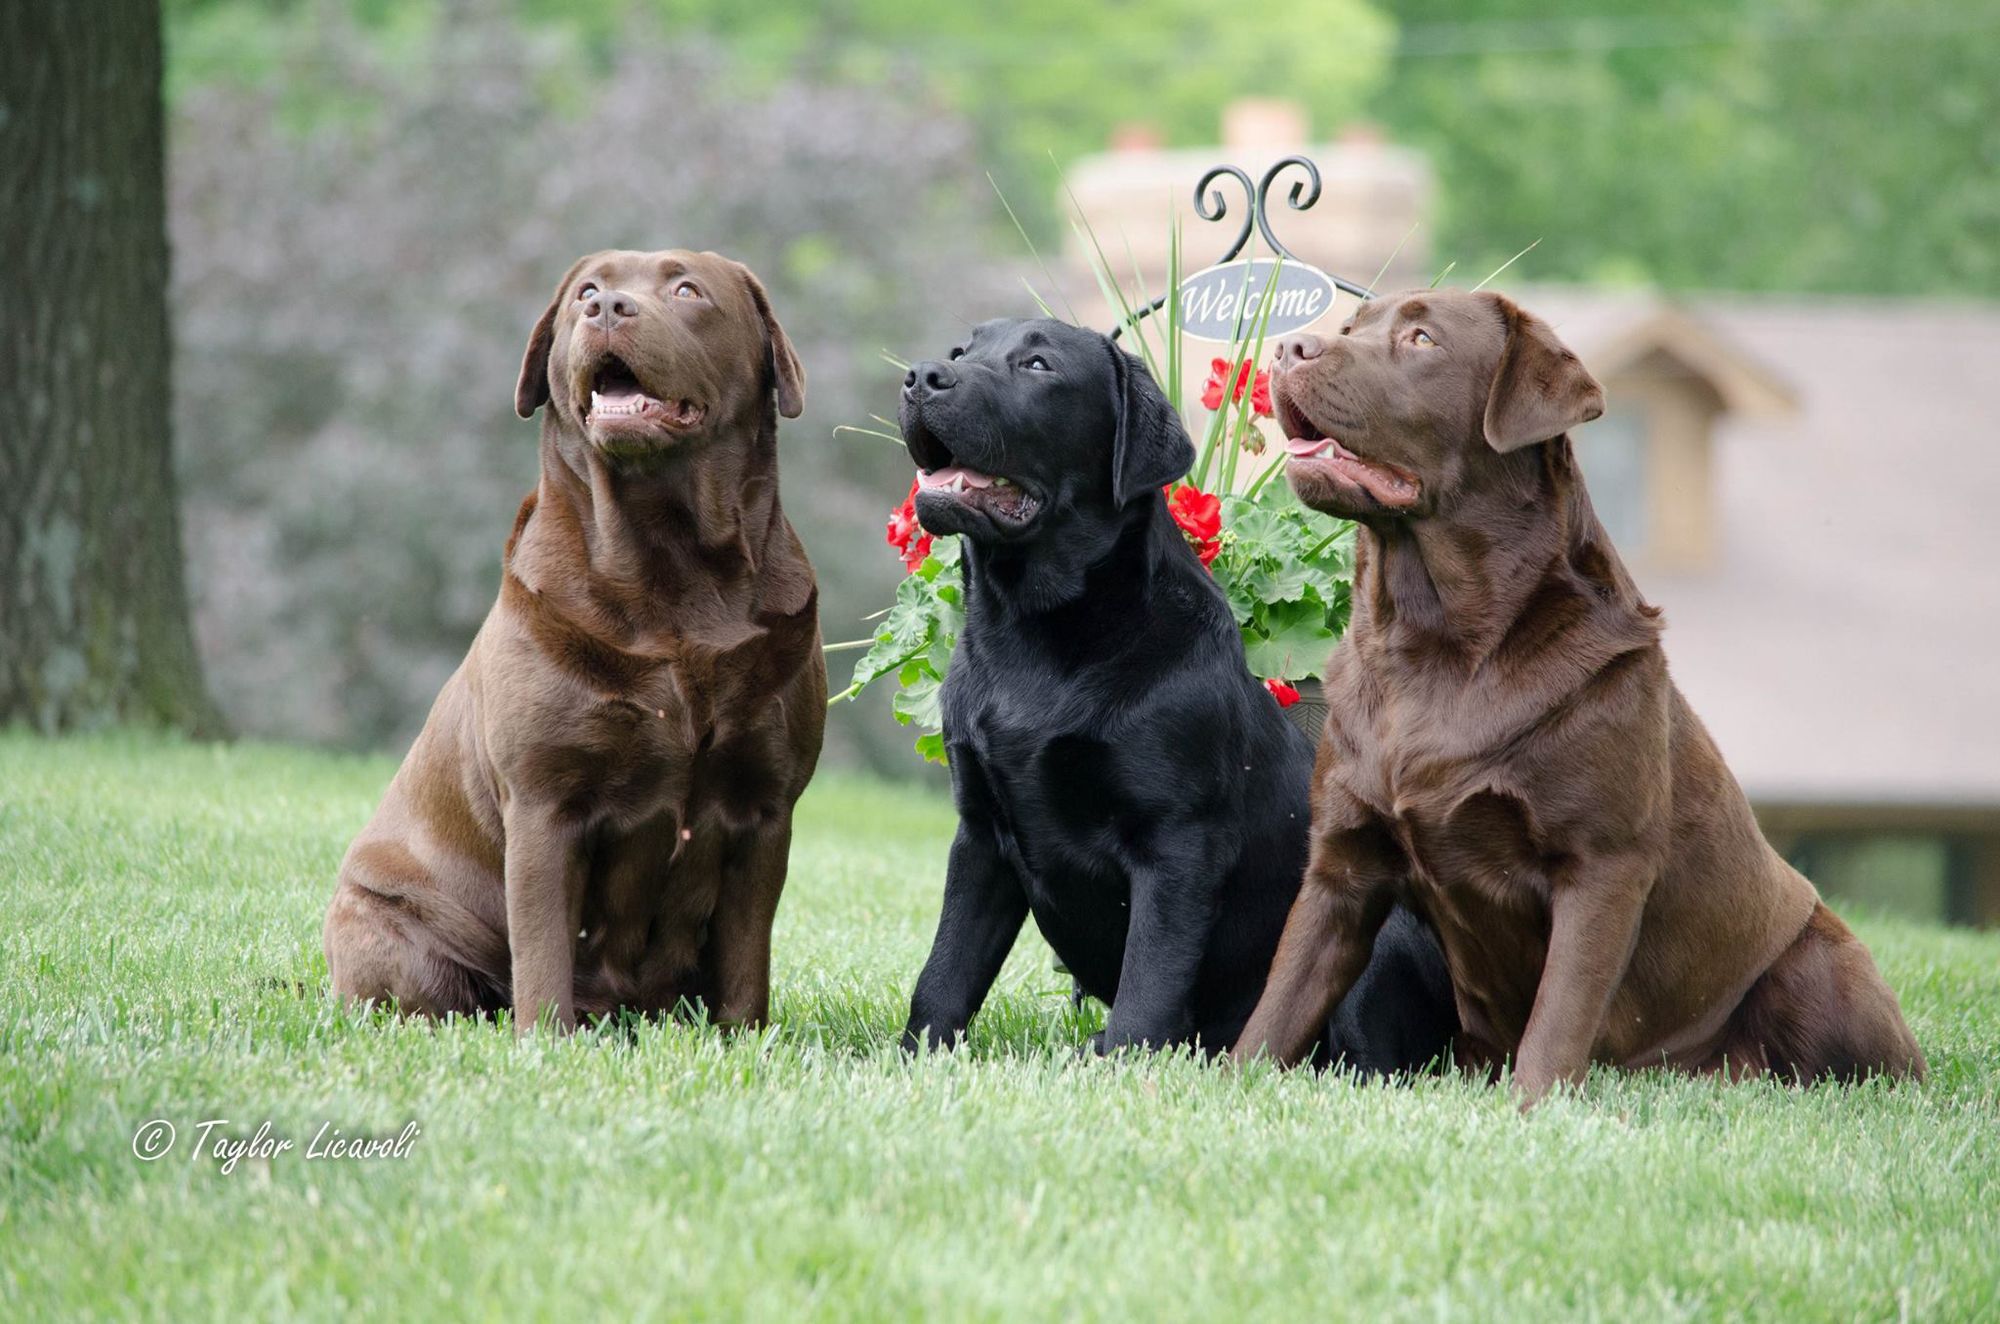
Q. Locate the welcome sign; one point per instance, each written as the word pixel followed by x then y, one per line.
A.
pixel 1226 302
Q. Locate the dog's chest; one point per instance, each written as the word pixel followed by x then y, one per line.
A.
pixel 1053 801
pixel 673 741
pixel 1438 774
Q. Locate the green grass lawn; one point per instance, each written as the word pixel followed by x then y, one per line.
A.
pixel 160 908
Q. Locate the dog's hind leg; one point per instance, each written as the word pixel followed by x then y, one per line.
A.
pixel 1823 1010
pixel 395 946
pixel 372 957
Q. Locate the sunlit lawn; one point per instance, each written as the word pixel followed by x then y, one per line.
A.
pixel 160 907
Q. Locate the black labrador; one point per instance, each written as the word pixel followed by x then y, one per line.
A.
pixel 1118 771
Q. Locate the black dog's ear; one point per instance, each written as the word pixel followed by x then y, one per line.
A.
pixel 531 389
pixel 1540 390
pixel 1151 448
pixel 787 374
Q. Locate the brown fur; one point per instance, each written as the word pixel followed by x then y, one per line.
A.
pixel 598 811
pixel 1505 750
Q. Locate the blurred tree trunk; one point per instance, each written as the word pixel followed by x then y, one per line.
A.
pixel 93 605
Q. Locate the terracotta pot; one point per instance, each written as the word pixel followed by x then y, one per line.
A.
pixel 1309 713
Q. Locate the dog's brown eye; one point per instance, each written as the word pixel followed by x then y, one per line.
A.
pixel 956 354
pixel 585 290
pixel 1422 339
pixel 686 290
pixel 1037 364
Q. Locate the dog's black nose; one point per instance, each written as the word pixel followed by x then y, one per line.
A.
pixel 607 308
pixel 931 374
pixel 1298 349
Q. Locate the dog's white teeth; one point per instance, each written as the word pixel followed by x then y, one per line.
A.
pixel 596 402
pixel 1003 482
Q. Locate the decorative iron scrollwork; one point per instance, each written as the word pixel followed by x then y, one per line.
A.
pixel 1212 205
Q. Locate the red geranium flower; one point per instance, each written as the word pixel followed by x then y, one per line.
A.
pixel 1219 382
pixel 907 536
pixel 1199 515
pixel 1283 693
pixel 1260 395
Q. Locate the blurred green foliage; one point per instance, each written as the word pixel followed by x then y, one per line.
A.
pixel 1838 145
pixel 1037 79
pixel 1833 145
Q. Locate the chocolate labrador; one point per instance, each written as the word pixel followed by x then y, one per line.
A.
pixel 1506 753
pixel 1118 772
pixel 598 811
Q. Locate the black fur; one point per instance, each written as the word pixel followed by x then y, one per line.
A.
pixel 1118 771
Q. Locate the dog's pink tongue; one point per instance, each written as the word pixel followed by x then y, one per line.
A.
pixel 956 475
pixel 1307 448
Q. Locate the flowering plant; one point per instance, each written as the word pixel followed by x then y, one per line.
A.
pixel 1285 569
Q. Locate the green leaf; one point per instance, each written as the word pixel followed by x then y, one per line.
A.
pixel 1290 640
pixel 931 746
pixel 916 704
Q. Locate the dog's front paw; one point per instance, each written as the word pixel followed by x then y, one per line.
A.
pixel 921 1038
pixel 1095 1046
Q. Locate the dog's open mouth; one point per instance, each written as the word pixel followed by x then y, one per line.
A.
pixel 616 396
pixel 1311 447
pixel 996 496
pixel 941 478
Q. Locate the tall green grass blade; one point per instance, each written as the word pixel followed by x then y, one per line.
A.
pixel 1504 265
pixel 1036 253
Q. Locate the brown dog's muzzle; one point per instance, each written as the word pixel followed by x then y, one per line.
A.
pixel 1323 470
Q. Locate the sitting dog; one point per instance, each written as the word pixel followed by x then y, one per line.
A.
pixel 598 811
pixel 1506 753
pixel 1117 769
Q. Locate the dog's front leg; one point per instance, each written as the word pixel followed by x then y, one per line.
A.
pixel 1172 912
pixel 737 964
pixel 984 908
pixel 544 881
pixel 1594 924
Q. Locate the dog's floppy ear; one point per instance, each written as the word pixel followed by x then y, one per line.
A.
pixel 1151 448
pixel 787 373
pixel 531 390
pixel 1540 390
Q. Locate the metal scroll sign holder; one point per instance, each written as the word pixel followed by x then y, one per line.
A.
pixel 1214 300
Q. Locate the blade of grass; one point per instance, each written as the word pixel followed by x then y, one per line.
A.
pixel 1218 421
pixel 1438 279
pixel 1257 484
pixel 1508 263
pixel 1145 326
pixel 1114 296
pixel 1036 253
pixel 1040 302
pixel 1384 270
pixel 1267 301
pixel 1174 365
pixel 1101 269
pixel 1327 541
pixel 866 432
